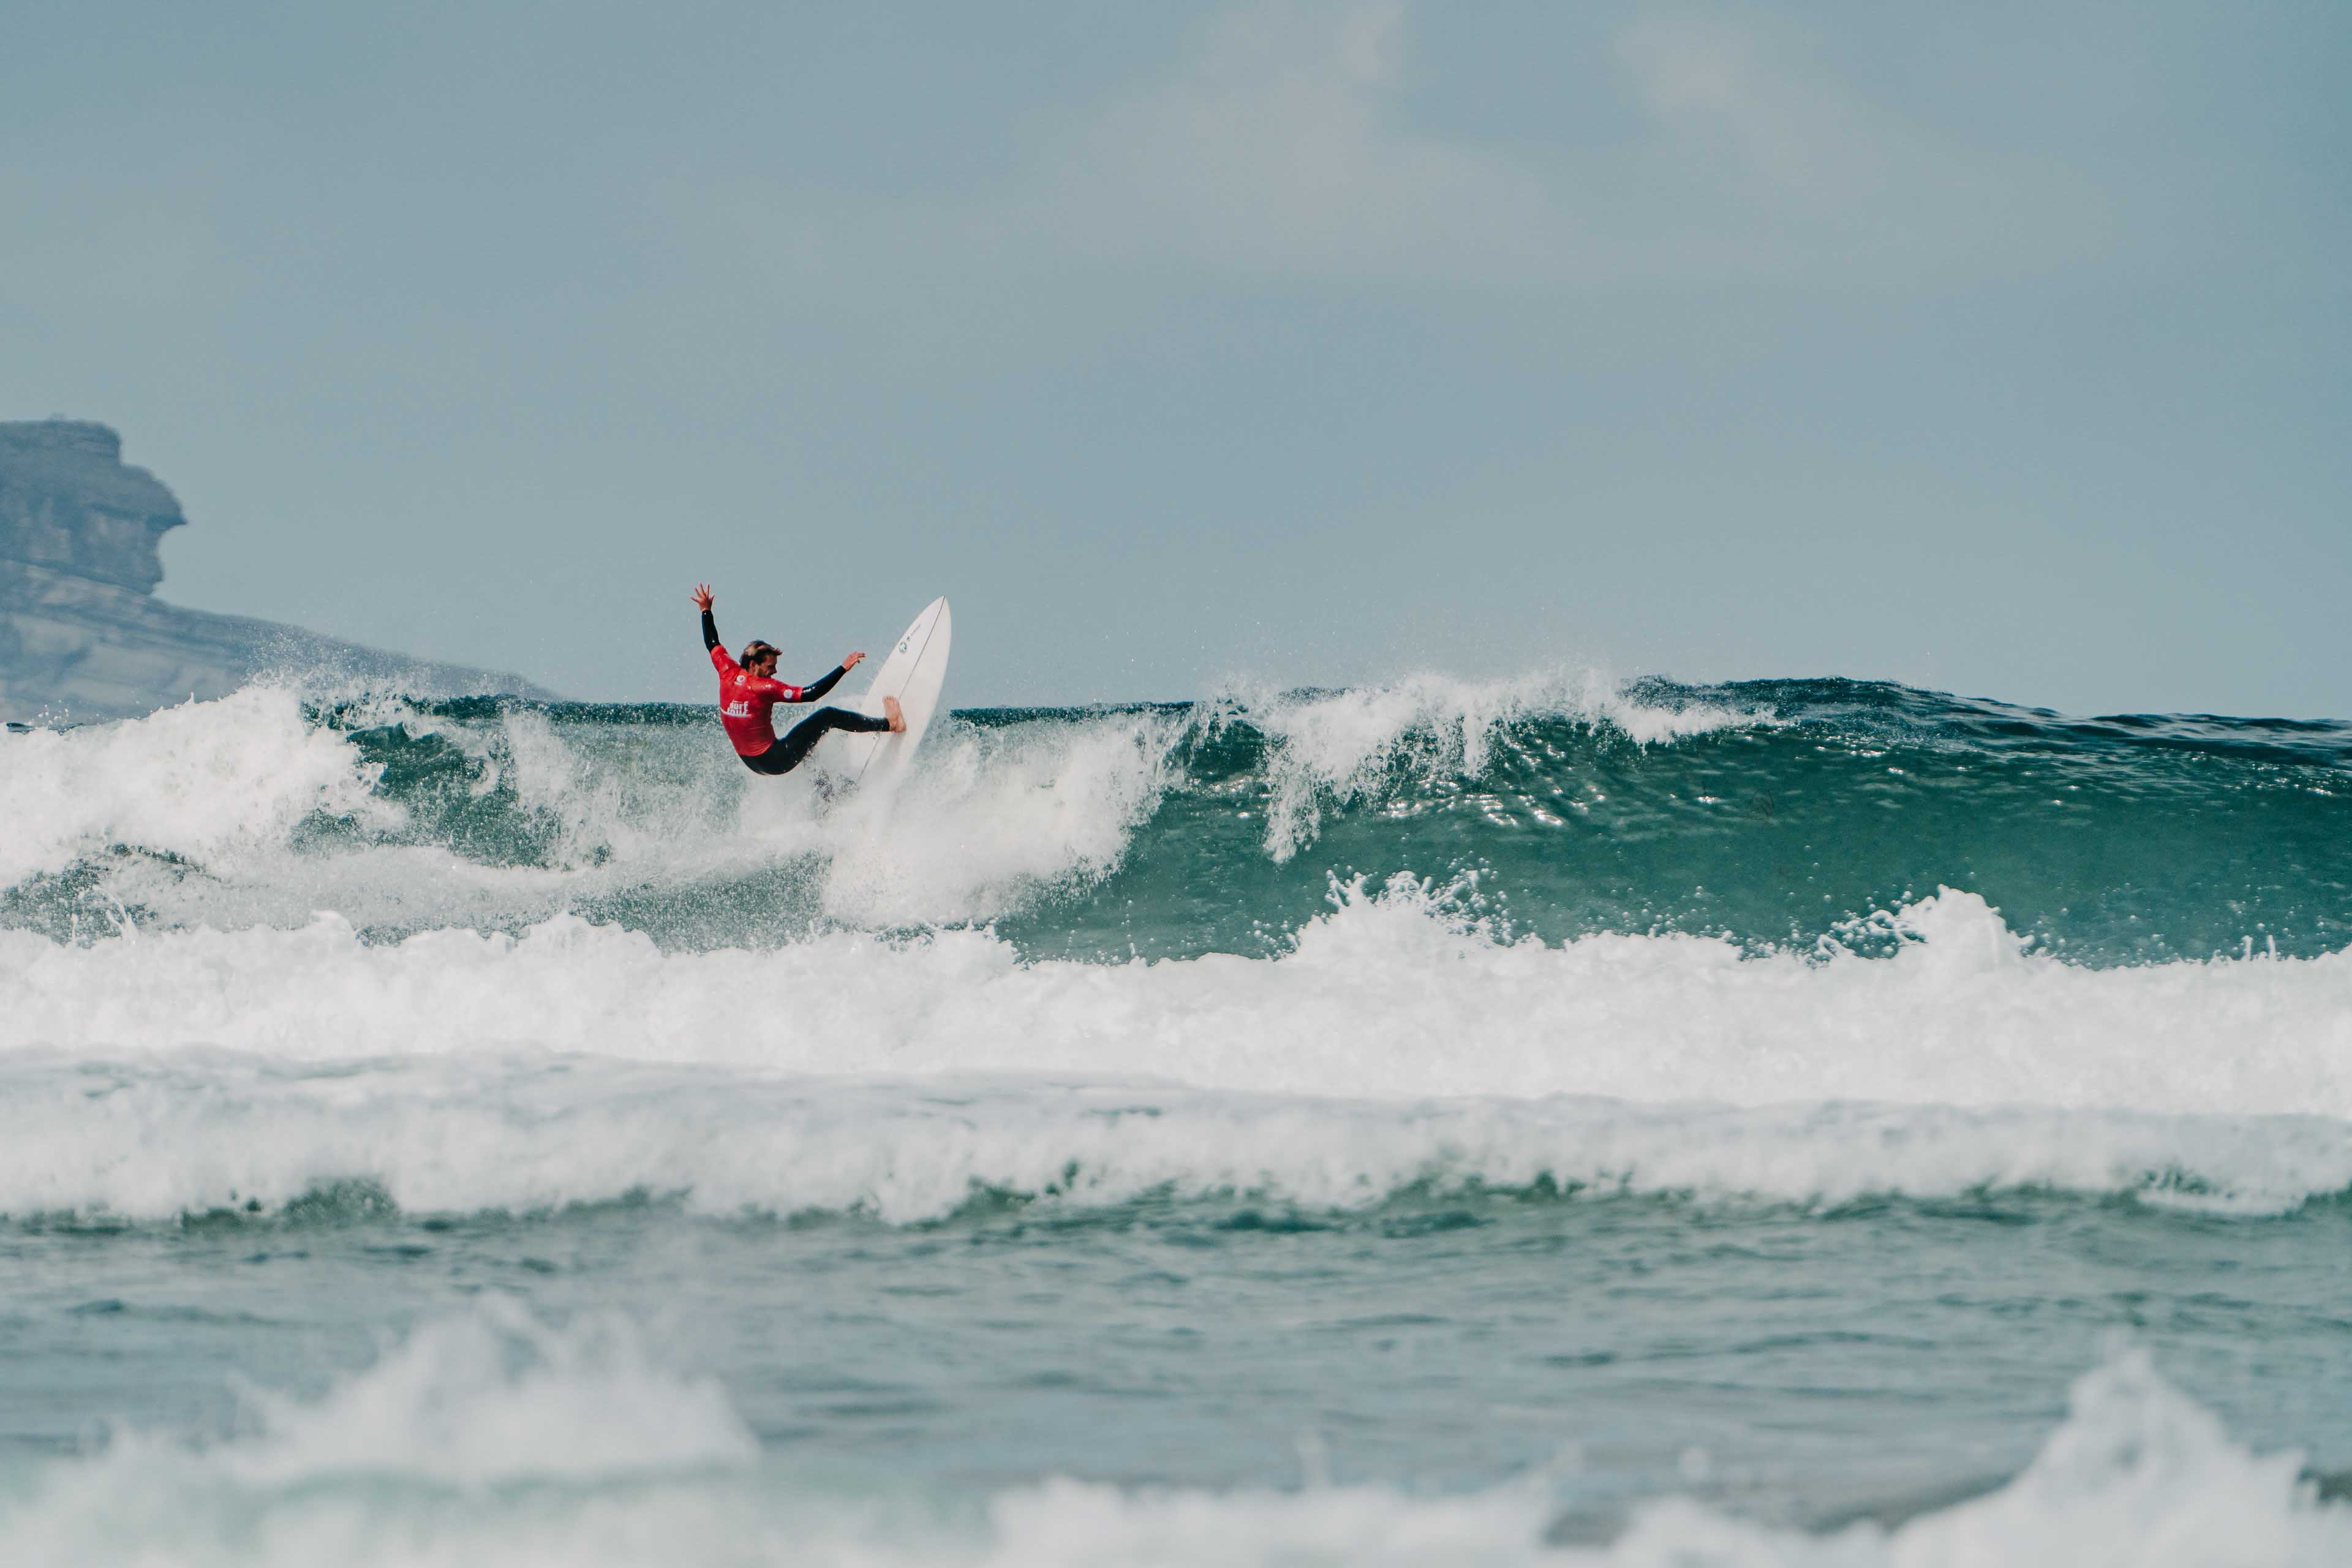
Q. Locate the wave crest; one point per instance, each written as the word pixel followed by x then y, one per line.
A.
pixel 1339 747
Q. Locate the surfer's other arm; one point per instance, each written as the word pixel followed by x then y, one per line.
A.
pixel 816 689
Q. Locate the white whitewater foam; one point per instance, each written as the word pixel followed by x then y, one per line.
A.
pixel 441 1452
pixel 989 817
pixel 2139 1477
pixel 207 1132
pixel 201 781
pixel 208 794
pixel 495 1397
pixel 410 1463
pixel 1386 996
pixel 1333 747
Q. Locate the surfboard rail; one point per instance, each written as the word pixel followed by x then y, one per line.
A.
pixel 913 672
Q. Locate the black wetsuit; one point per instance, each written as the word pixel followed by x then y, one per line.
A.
pixel 791 747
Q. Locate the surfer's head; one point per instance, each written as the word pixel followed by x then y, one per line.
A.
pixel 760 658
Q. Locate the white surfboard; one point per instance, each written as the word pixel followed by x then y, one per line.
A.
pixel 912 673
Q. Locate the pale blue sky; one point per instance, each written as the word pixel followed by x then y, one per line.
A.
pixel 1998 348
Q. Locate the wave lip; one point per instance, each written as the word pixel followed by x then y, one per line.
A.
pixel 1335 748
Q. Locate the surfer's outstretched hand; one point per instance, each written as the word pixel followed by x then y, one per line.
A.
pixel 702 595
pixel 853 661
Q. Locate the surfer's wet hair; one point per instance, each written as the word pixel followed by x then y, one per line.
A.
pixel 755 650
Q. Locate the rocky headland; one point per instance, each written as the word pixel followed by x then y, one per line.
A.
pixel 83 635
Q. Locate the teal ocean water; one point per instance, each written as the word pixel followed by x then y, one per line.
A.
pixel 1543 1120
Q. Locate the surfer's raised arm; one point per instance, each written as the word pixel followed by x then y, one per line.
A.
pixel 710 627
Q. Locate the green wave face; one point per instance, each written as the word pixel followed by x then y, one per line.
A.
pixel 2112 841
pixel 1779 814
pixel 1805 813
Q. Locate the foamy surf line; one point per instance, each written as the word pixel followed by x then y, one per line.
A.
pixel 1389 995
pixel 156 1141
pixel 492 1437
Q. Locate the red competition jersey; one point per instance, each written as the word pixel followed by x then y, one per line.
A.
pixel 744 700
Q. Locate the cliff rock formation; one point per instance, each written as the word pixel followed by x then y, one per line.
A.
pixel 82 636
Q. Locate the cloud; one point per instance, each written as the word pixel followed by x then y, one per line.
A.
pixel 1294 144
pixel 1713 92
pixel 1284 147
pixel 1281 150
pixel 1764 157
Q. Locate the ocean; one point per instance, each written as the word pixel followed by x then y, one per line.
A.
pixel 1552 1119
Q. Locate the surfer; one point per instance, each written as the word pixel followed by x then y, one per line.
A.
pixel 748 691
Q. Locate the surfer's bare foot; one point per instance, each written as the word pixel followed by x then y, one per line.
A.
pixel 892 710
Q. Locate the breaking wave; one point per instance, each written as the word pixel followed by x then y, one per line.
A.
pixel 1773 814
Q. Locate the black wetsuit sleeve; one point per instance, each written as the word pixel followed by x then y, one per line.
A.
pixel 816 693
pixel 710 631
